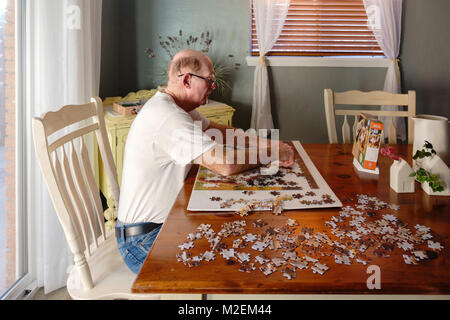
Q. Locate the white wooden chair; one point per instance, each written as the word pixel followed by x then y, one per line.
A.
pixel 99 272
pixel 372 98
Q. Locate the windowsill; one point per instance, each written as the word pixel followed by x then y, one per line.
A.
pixel 350 62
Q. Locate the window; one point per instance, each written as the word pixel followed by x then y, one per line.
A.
pixel 323 28
pixel 14 271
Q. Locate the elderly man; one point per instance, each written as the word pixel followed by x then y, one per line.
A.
pixel 164 139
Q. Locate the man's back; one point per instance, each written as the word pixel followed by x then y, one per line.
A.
pixel 157 150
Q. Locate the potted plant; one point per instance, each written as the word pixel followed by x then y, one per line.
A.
pixel 202 42
pixel 431 172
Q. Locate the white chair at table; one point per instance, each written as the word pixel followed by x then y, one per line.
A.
pixel 372 98
pixel 99 272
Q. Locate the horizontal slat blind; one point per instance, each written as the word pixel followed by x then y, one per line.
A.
pixel 323 28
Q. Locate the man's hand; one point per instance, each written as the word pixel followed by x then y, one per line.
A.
pixel 286 155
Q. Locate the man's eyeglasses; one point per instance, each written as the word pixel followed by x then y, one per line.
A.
pixel 211 82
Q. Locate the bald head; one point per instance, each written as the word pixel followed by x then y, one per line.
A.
pixel 187 61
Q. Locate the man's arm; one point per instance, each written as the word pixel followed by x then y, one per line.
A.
pixel 240 139
pixel 228 161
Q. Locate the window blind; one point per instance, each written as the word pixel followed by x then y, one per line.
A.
pixel 323 28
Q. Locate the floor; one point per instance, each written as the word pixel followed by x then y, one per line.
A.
pixel 60 294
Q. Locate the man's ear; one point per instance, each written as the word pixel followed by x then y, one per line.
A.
pixel 187 81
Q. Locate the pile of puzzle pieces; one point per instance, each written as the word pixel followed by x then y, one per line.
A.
pixel 357 234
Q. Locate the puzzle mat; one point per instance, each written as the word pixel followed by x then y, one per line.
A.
pixel 301 187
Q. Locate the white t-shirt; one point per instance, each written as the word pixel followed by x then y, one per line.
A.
pixel 162 142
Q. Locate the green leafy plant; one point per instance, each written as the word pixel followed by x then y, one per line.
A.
pixel 173 44
pixel 423 175
pixel 427 152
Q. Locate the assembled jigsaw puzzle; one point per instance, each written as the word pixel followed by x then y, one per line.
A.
pixel 367 230
pixel 298 187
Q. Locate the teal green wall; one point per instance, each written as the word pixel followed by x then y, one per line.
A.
pixel 131 26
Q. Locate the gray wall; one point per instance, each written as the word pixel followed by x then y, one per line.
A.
pixel 131 26
pixel 425 54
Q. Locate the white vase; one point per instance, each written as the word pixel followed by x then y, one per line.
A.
pixel 433 129
pixel 400 181
pixel 435 165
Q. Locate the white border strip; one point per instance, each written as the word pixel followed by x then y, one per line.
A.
pixel 352 62
pixel 323 185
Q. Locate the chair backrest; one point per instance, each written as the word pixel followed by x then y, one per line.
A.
pixel 372 98
pixel 70 179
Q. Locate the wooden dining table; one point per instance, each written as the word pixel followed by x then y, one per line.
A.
pixel 162 272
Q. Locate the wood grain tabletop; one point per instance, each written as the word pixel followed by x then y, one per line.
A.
pixel 163 273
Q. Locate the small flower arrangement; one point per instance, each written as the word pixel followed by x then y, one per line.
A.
pixel 390 152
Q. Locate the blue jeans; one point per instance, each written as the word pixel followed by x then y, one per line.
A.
pixel 134 249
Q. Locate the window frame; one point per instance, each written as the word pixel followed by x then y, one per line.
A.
pixel 26 285
pixel 353 61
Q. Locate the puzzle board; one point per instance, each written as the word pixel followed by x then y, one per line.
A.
pixel 298 187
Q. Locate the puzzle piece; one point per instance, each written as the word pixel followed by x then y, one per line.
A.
pixel 331 224
pixel 426 236
pixel 247 267
pixel 405 245
pixel 243 257
pixel 227 254
pixel 237 243
pixel 259 223
pixel 421 228
pixel 186 245
pixel 289 273
pixel 209 234
pixel 209 255
pixel 319 268
pixel 387 229
pixel 191 236
pixel 434 245
pixel 262 259
pixel 292 222
pixel 309 259
pixel 290 255
pixel 409 259
pixel 260 245
pixel 244 211
pixel 390 217
pixel 394 207
pixel 277 261
pixel 213 242
pixel 342 259
pixel 362 259
pixel 203 227
pixel 277 209
pixel 354 235
pixel 298 263
pixel 249 237
pixel 268 268
pixel 274 244
pixel 420 255
pixel 185 256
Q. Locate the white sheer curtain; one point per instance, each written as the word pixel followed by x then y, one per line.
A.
pixel 270 16
pixel 63 54
pixel 385 17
